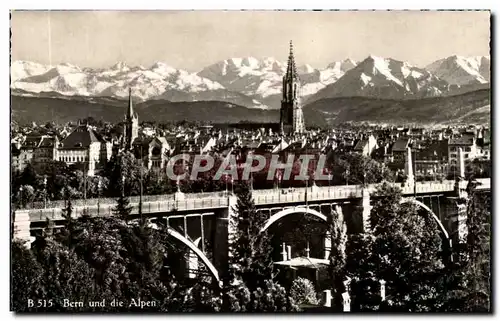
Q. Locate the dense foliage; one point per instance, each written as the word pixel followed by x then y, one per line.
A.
pixel 302 291
pixel 406 251
pixel 115 259
pixel 96 259
pixel 250 286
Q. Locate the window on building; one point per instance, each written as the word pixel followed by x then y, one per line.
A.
pixel 466 155
pixel 453 149
pixel 467 149
pixel 453 155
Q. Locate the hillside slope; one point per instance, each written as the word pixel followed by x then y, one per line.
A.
pixel 43 109
pixel 429 110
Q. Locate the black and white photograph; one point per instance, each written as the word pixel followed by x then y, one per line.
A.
pixel 250 161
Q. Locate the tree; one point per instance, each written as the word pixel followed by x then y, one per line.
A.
pixel 407 252
pixel 64 276
pixel 361 267
pixel 128 261
pixel 120 166
pixel 25 277
pixel 249 287
pixel 28 175
pixel 467 283
pixel 123 209
pixel 67 234
pixel 354 168
pixel 26 195
pixel 251 260
pixel 478 249
pixel 338 234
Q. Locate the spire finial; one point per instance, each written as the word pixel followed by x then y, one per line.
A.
pixel 291 69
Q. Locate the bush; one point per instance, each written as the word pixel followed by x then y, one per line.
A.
pixel 270 298
pixel 302 292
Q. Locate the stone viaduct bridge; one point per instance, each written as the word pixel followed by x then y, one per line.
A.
pixel 201 221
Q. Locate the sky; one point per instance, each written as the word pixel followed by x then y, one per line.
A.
pixel 192 40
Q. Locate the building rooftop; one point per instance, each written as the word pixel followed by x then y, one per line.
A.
pixel 464 140
pixel 81 137
pixel 400 145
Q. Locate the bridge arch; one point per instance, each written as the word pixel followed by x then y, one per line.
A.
pixel 294 210
pixel 197 251
pixel 426 208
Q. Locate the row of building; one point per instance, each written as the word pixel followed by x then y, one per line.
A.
pixel 432 150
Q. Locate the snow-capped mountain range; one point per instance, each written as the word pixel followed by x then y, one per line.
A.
pixel 387 78
pixel 459 70
pixel 251 82
pixel 263 79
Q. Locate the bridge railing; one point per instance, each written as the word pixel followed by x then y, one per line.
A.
pixel 132 199
pixel 37 215
pixel 160 203
pixel 311 194
pixel 424 187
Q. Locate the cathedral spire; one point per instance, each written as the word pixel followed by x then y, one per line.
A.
pixel 130 113
pixel 291 71
pixel 131 126
pixel 291 116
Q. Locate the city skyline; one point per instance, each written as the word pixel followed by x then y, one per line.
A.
pixel 101 38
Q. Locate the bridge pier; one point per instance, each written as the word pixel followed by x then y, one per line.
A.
pixel 21 226
pixel 457 213
pixel 225 229
pixel 410 178
pixel 365 209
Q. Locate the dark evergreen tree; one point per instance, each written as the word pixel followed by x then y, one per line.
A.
pixel 361 268
pixel 123 208
pixel 251 260
pixel 338 233
pixel 67 233
pixel 250 287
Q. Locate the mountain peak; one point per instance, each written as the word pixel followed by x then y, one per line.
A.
pixel 461 70
pixel 374 57
pixel 120 66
